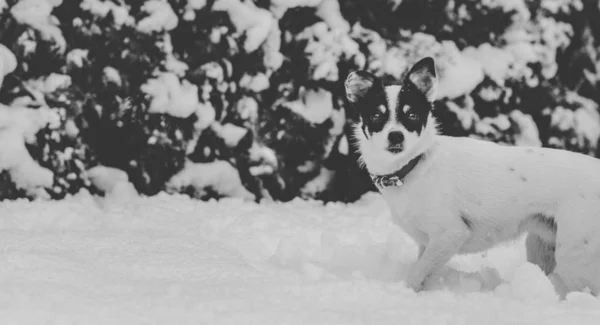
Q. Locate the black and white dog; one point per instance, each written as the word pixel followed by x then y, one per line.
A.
pixel 462 195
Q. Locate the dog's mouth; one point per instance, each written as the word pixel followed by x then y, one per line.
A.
pixel 395 149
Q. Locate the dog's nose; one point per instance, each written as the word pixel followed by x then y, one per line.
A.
pixel 395 137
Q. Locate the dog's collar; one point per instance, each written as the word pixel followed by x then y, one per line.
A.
pixel 396 178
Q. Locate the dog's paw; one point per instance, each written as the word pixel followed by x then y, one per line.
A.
pixel 415 282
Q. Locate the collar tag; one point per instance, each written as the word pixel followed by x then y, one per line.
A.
pixel 386 181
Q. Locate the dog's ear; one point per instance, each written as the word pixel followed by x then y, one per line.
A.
pixel 359 83
pixel 424 77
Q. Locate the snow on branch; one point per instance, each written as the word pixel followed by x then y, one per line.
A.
pixel 218 176
pixel 19 125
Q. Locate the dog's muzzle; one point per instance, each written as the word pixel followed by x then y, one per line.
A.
pixel 395 140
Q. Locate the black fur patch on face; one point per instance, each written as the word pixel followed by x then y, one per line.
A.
pixel 374 114
pixel 412 109
pixel 367 98
pixel 417 95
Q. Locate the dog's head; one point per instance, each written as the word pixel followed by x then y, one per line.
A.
pixel 394 122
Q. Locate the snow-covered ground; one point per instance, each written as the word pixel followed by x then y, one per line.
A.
pixel 172 260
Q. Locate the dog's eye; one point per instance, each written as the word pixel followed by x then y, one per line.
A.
pixel 376 116
pixel 412 116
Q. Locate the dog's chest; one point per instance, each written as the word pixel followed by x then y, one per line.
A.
pixel 408 211
pixel 397 200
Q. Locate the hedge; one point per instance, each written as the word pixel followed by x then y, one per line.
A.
pixel 217 98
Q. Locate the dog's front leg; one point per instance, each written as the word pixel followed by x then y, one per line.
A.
pixel 421 250
pixel 441 247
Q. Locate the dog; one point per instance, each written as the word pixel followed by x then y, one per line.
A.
pixel 461 195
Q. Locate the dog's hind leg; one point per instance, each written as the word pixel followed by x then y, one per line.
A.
pixel 540 252
pixel 578 247
pixel 541 241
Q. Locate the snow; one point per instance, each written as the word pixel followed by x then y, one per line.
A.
pixel 161 17
pixel 493 125
pixel 343 146
pixel 112 75
pixel 213 70
pixel 37 14
pixel 178 67
pixel 465 114
pixel 247 17
pixel 587 122
pixel 219 176
pixel 101 8
pixel 32 12
pixel 230 133
pixel 263 154
pixel 394 61
pixel 50 83
pixel 113 182
pixel 495 61
pixel 106 178
pixel 77 57
pixel 296 3
pixel 196 4
pixel 325 48
pixel 459 73
pixel 19 125
pixel 318 184
pixel 329 11
pixel 518 6
pixel 528 133
pixel 557 6
pixel 206 114
pixel 554 35
pixel 314 105
pixel 529 283
pixel 8 62
pixel 171 96
pixel 583 121
pixel 247 108
pixel 339 120
pixel 28 42
pixel 256 83
pixel 273 59
pixel 174 260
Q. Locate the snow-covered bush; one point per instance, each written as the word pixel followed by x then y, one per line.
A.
pixel 245 97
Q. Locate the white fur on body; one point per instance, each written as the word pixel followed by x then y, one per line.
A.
pixel 468 195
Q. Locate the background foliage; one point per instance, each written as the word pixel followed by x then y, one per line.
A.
pixel 245 98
